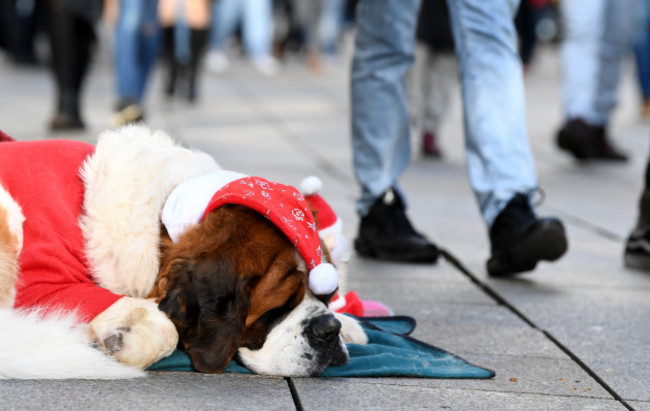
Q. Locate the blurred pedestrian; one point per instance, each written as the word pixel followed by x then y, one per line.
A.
pixel 7 18
pixel 71 33
pixel 185 25
pixel 135 52
pixel 499 159
pixel 256 20
pixel 526 20
pixel 642 54
pixel 321 22
pixel 28 23
pixel 597 34
pixel 433 75
pixel 637 246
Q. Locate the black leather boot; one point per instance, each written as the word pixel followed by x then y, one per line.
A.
pixel 198 43
pixel 169 60
pixel 637 246
pixel 520 240
pixel 386 233
pixel 587 142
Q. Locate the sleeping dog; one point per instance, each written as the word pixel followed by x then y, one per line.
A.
pixel 112 256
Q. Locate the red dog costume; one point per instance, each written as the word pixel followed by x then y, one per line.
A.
pixel 119 188
pixel 43 178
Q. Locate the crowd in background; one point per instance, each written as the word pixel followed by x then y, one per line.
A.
pixel 180 33
pixel 186 36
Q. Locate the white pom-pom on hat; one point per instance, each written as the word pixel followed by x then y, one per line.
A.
pixel 323 279
pixel 310 185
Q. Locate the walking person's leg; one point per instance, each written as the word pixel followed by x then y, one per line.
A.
pixel 384 49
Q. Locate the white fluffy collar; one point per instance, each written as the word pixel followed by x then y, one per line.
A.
pixel 187 202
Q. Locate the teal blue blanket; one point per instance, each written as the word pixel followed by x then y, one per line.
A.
pixel 390 352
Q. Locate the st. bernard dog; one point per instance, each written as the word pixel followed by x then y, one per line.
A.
pixel 94 283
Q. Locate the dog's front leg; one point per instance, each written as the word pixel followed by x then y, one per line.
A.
pixel 11 243
pixel 134 332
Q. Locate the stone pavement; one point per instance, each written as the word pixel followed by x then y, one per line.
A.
pixel 569 336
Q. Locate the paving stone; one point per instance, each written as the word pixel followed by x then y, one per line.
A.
pixel 398 394
pixel 158 391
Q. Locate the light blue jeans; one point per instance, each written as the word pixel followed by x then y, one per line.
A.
pixel 597 34
pixel 136 46
pixel 256 17
pixel 498 153
pixel 642 47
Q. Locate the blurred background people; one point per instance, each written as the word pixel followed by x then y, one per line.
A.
pixel 28 22
pixel 71 33
pixel 185 26
pixel 433 76
pixel 255 18
pixel 527 21
pixel 642 54
pixel 637 247
pixel 321 22
pixel 135 54
pixel 6 28
pixel 597 34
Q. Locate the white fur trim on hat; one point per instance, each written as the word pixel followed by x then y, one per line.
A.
pixel 310 185
pixel 187 202
pixel 323 279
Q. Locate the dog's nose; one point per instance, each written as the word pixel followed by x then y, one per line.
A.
pixel 324 326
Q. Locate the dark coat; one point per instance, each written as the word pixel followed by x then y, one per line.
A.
pixel 434 26
pixel 89 10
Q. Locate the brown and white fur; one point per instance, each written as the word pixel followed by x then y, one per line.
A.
pixel 124 253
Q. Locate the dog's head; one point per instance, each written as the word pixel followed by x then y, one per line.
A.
pixel 235 285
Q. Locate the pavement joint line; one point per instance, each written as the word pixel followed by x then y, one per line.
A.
pixel 502 301
pixel 584 224
pixel 294 394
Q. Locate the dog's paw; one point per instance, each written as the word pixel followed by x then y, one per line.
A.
pixel 11 242
pixel 351 330
pixel 134 332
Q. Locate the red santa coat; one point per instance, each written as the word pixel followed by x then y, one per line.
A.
pixel 43 178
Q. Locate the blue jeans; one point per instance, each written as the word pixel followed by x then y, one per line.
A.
pixel 256 17
pixel 642 47
pixel 499 159
pixel 597 34
pixel 136 46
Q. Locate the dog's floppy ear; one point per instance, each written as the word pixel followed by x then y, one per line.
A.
pixel 180 303
pixel 209 303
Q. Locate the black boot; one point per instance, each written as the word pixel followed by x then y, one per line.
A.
pixel 198 43
pixel 169 60
pixel 587 142
pixel 67 116
pixel 637 246
pixel 520 240
pixel 386 233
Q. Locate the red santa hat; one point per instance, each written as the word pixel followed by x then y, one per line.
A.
pixel 191 201
pixel 329 225
pixel 5 137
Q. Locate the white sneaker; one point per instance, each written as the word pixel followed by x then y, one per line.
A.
pixel 217 62
pixel 267 65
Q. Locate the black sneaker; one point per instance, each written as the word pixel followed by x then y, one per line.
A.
pixel 587 142
pixel 520 240
pixel 637 250
pixel 387 234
